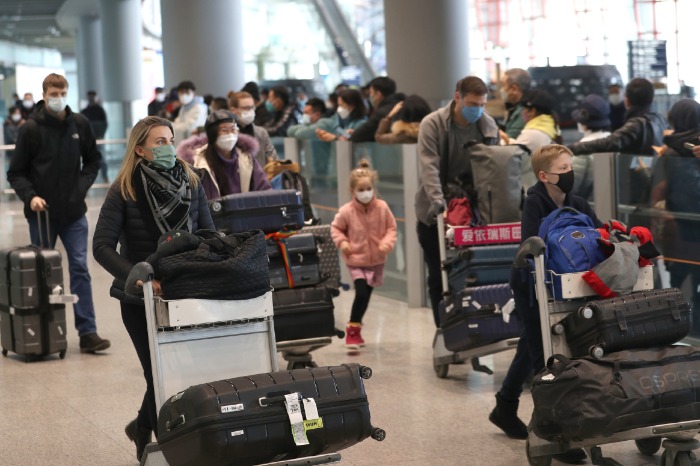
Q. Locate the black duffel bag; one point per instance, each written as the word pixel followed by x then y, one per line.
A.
pixel 220 267
pixel 576 399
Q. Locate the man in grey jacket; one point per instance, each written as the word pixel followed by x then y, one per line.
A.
pixel 443 142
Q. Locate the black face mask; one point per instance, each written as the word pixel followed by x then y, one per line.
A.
pixel 566 181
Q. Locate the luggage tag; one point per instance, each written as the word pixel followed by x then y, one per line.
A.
pixel 296 419
pixel 507 309
pixel 313 421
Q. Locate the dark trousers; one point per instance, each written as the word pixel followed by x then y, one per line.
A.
pixel 359 306
pixel 529 355
pixel 428 239
pixel 134 318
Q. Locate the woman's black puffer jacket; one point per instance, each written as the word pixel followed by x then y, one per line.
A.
pixel 123 222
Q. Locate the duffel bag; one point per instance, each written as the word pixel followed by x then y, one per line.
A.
pixel 231 267
pixel 576 399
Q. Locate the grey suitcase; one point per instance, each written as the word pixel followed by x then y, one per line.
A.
pixel 32 309
pixel 301 263
pixel 328 257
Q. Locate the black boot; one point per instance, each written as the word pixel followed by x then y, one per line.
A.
pixel 505 417
pixel 141 436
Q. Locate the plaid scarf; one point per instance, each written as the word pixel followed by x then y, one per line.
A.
pixel 168 194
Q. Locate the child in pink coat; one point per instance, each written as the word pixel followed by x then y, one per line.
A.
pixel 364 230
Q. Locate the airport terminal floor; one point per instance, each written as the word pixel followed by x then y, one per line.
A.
pixel 72 412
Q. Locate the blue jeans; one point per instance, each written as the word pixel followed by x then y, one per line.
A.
pixel 74 237
pixel 529 355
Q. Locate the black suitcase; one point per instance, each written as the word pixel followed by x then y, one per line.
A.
pixel 294 257
pixel 269 211
pixel 329 259
pixel 302 313
pixel 473 317
pixel 32 314
pixel 638 320
pixel 247 420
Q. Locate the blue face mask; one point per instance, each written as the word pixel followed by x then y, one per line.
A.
pixel 163 156
pixel 472 114
pixel 269 107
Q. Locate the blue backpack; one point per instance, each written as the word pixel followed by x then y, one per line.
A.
pixel 570 239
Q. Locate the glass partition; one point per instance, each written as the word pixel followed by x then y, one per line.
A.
pixel 278 143
pixel 663 194
pixel 318 161
pixel 387 160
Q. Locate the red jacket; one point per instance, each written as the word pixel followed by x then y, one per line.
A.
pixel 365 228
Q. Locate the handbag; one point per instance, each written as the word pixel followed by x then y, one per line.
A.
pixel 232 267
pixel 275 167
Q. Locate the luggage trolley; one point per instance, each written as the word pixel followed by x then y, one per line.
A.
pixel 557 296
pixel 442 356
pixel 194 341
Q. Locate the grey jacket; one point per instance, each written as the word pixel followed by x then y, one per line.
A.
pixel 432 145
pixel 267 150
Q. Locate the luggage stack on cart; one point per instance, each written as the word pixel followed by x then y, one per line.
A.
pixel 612 372
pixel 475 316
pixel 304 267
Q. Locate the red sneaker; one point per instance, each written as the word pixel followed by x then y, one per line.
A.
pixel 353 337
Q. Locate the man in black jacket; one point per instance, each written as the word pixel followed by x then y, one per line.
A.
pixel 56 161
pixel 383 97
pixel 643 128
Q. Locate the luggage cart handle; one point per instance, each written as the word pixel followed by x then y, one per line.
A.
pixel 533 246
pixel 42 230
pixel 443 252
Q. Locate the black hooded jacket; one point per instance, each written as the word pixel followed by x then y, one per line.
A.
pixel 538 205
pixel 56 160
pixel 642 130
pixel 366 132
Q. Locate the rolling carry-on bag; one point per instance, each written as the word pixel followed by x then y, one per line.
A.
pixel 32 309
pixel 269 211
pixel 329 260
pixel 475 317
pixel 302 313
pixel 576 399
pixel 267 417
pixel 293 261
pixel 638 320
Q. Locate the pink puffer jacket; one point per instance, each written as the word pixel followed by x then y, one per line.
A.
pixel 365 228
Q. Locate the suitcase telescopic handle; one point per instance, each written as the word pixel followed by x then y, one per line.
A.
pixel 42 230
pixel 266 401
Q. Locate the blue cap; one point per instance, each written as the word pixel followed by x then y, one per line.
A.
pixel 594 112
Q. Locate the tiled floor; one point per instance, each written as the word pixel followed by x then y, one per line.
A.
pixel 72 412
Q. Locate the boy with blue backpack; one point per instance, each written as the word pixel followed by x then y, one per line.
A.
pixel 552 164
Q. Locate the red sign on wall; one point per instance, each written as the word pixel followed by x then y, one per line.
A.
pixel 499 233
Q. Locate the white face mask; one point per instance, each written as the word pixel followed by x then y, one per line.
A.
pixel 247 117
pixel 581 128
pixel 186 98
pixel 364 196
pixel 16 117
pixel 343 112
pixel 160 97
pixel 306 119
pixel 56 104
pixel 27 104
pixel 615 99
pixel 226 142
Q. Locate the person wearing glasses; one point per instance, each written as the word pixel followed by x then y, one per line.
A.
pixel 228 160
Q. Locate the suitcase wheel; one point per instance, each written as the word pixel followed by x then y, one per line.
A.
pixel 365 372
pixel 378 434
pixel 4 352
pixel 586 312
pixel 441 370
pixel 62 354
pixel 558 329
pixel 648 446
pixel 597 352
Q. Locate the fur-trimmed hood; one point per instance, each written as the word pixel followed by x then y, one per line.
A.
pixel 405 127
pixel 193 145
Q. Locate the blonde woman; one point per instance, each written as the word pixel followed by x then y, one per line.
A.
pixel 154 192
